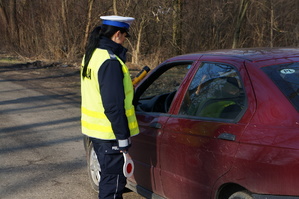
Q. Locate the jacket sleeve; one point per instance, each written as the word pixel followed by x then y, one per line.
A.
pixel 110 78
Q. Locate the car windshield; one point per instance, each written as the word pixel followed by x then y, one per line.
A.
pixel 286 77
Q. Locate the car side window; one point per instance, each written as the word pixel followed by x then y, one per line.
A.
pixel 215 92
pixel 162 87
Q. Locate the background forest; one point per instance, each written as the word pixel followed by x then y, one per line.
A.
pixel 58 29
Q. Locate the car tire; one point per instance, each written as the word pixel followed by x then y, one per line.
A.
pixel 94 169
pixel 241 195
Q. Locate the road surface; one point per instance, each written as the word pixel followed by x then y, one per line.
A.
pixel 41 148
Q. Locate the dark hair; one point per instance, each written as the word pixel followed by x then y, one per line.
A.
pixel 94 40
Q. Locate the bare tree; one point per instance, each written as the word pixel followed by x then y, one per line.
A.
pixel 115 7
pixel 177 26
pixel 88 23
pixel 136 49
pixel 239 21
pixel 59 29
pixel 3 22
pixel 12 22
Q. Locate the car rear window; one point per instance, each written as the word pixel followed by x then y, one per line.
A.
pixel 286 77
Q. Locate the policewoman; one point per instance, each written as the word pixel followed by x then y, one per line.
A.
pixel 108 115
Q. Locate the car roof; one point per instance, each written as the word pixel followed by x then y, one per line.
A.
pixel 249 54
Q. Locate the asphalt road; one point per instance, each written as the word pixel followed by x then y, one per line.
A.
pixel 41 148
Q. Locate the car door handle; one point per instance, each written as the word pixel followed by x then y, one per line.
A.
pixel 156 125
pixel 227 136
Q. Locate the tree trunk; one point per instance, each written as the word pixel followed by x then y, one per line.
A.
pixel 13 28
pixel 240 18
pixel 136 51
pixel 65 41
pixel 88 24
pixel 115 7
pixel 272 24
pixel 4 20
pixel 177 26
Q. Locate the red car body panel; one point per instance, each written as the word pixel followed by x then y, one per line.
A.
pixel 270 143
pixel 147 157
pixel 196 142
pixel 181 157
pixel 196 150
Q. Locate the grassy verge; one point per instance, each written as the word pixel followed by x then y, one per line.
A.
pixel 10 60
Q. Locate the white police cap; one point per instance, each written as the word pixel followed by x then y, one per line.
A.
pixel 118 21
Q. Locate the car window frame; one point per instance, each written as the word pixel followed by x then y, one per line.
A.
pixel 199 64
pixel 155 74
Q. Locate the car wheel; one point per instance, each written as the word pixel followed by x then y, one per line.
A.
pixel 94 169
pixel 241 195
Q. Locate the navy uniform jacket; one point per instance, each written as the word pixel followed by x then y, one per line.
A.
pixel 110 78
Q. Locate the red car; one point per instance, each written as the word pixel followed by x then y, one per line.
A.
pixel 220 124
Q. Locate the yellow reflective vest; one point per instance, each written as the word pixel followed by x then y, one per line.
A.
pixel 93 119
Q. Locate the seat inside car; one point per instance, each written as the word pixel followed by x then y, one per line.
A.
pixel 225 103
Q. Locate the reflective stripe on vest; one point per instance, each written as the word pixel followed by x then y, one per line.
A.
pixel 94 121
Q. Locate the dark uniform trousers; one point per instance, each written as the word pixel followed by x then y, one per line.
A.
pixel 113 181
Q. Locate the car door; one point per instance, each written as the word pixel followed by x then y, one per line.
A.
pixel 152 101
pixel 199 142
